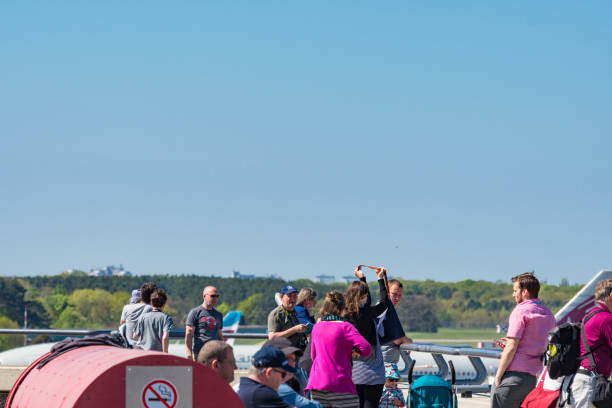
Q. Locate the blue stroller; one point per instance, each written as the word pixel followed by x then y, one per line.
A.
pixel 430 391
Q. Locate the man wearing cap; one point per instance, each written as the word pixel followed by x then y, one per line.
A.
pixel 268 371
pixel 204 323
pixel 283 321
pixel 290 390
pixel 139 304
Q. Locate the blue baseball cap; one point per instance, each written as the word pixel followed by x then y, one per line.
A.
pixel 287 289
pixel 271 357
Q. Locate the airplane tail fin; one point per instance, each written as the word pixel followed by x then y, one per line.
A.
pixel 231 321
pixel 575 309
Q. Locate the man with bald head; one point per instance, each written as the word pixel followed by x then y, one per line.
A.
pixel 204 323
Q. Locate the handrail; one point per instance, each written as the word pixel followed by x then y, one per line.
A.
pixel 452 350
pixel 473 355
pixel 176 333
pixel 467 386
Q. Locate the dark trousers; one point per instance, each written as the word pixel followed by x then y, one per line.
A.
pixel 512 390
pixel 369 395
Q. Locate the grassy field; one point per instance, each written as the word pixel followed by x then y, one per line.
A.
pixel 468 337
pixel 458 334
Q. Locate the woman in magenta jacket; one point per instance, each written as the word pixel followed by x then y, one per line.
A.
pixel 333 343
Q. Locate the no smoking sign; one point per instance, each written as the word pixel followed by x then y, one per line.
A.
pixel 159 394
pixel 158 386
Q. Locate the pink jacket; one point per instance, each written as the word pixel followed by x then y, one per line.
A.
pixel 332 345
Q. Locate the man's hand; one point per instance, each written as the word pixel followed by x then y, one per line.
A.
pixel 497 380
pixel 397 402
pixel 165 341
pixel 381 273
pixel 506 358
pixel 300 328
pixel 189 333
pixel 359 272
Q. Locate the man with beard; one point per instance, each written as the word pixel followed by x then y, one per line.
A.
pixel 525 342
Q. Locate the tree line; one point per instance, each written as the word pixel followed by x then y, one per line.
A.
pixel 77 300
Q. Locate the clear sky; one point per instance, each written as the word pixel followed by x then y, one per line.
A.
pixel 443 140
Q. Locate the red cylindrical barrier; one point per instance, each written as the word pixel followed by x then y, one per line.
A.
pixel 105 376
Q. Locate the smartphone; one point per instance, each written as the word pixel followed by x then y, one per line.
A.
pixel 308 328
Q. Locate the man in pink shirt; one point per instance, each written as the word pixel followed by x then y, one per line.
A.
pixel 526 342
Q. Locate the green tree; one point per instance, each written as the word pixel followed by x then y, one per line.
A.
pixel 9 341
pixel 418 313
pixel 455 302
pixel 55 304
pixel 255 308
pixel 11 302
pixel 92 308
pixel 223 308
pixel 70 318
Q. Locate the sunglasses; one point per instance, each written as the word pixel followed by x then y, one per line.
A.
pixel 214 296
pixel 281 372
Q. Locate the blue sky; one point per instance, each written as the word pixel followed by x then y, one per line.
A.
pixel 444 140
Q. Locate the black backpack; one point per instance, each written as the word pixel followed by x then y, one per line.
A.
pixel 563 353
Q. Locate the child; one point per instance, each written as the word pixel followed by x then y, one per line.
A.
pixel 153 328
pixel 392 396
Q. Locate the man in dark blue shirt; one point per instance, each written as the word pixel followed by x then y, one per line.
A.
pixel 260 388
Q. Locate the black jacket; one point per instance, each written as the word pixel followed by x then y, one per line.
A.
pixel 365 321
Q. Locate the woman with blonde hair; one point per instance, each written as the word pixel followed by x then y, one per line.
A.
pixel 333 343
pixel 306 300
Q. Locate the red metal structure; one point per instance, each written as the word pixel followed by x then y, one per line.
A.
pixel 106 376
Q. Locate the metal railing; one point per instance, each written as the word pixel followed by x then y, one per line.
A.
pixel 465 386
pixel 177 333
